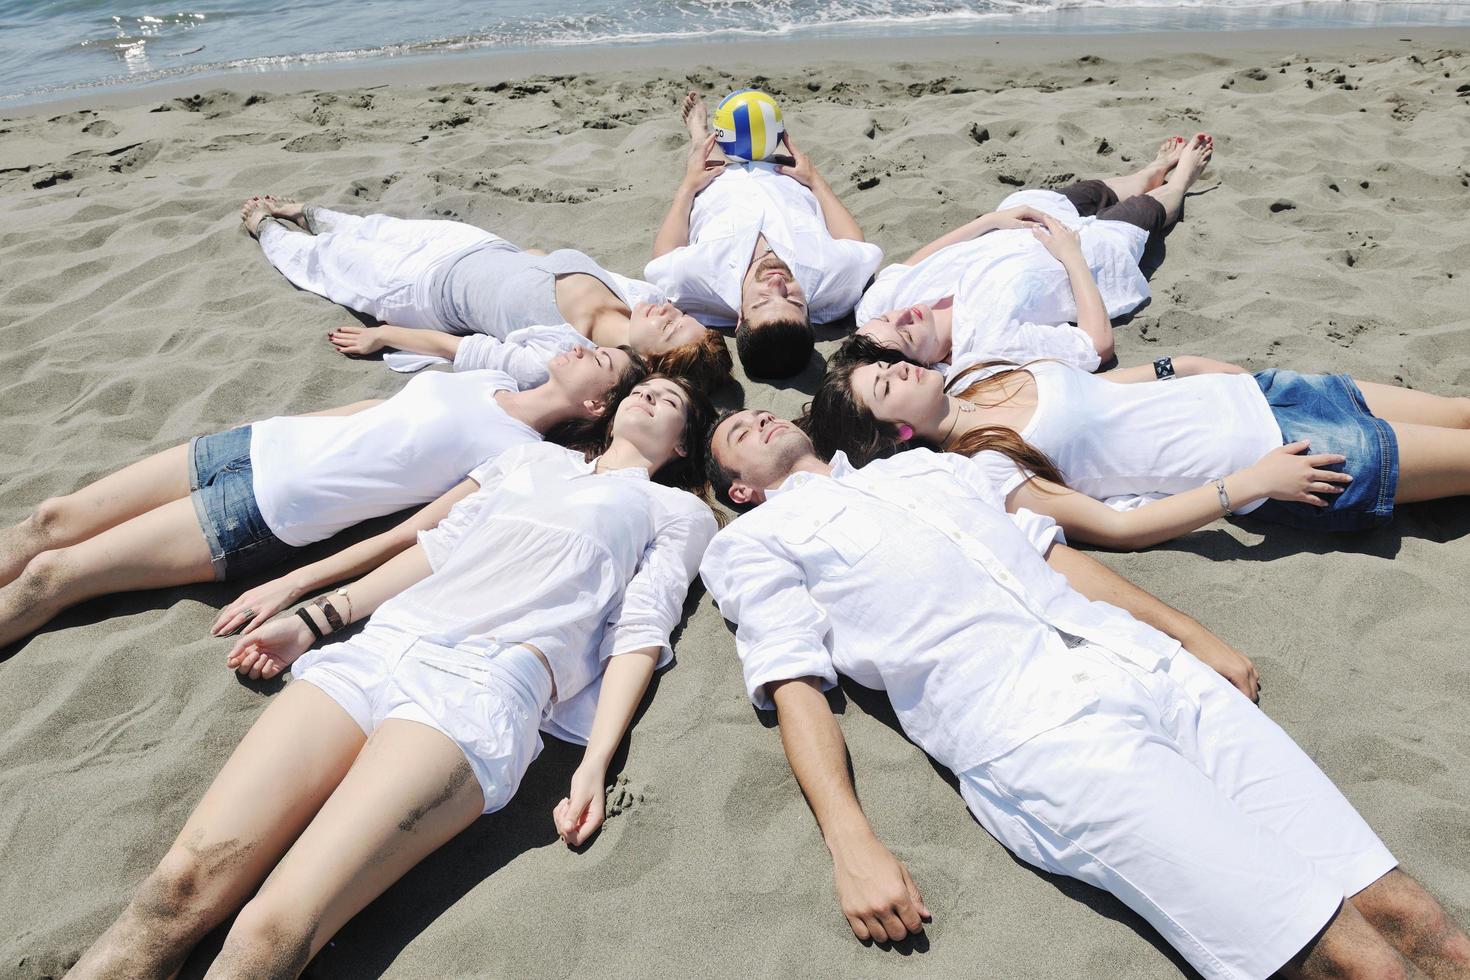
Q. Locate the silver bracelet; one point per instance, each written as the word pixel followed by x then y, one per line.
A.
pixel 1224 497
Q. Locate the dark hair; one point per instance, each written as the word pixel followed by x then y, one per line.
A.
pixel 836 420
pixel 778 349
pixel 719 475
pixel 705 363
pixel 685 472
pixel 574 433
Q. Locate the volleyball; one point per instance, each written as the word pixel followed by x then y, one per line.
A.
pixel 748 125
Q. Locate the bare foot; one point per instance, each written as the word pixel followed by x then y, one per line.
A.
pixel 253 212
pixel 695 115
pixel 1193 158
pixel 1166 160
pixel 288 208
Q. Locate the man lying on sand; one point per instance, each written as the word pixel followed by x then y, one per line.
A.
pixel 1080 715
pixel 767 248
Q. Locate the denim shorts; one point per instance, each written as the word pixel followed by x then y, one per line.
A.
pixel 222 486
pixel 1329 411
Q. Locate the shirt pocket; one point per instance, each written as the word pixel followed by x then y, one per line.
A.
pixel 834 541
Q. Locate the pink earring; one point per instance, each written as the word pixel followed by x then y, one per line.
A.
pixel 905 432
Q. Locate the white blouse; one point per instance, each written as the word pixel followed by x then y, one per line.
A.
pixel 314 476
pixel 581 565
pixel 1012 298
pixel 909 577
pixel 746 201
pixel 1126 444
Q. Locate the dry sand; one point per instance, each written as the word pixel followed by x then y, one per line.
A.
pixel 1330 235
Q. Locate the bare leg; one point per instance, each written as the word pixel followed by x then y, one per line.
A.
pixel 1397 404
pixel 1407 916
pixel 121 496
pixel 1192 161
pixel 155 550
pixel 1434 462
pixel 409 792
pixel 1151 175
pixel 1349 949
pixel 696 118
pixel 285 768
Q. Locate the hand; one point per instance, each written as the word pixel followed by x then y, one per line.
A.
pixel 699 169
pixel 876 893
pixel 1228 662
pixel 271 649
pixel 1062 242
pixel 355 339
pixel 256 606
pixel 579 814
pixel 1285 474
pixel 803 172
pixel 1021 217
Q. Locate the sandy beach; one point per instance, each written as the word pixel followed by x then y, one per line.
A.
pixel 1329 235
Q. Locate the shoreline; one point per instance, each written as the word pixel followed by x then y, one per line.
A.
pixel 489 66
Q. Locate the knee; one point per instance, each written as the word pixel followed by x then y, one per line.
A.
pixel 46 520
pixel 1411 918
pixel 44 573
pixel 176 890
pixel 269 937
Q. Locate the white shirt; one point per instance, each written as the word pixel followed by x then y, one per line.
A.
pixel 314 476
pixel 908 576
pixel 581 565
pixel 1012 298
pixel 1126 444
pixel 746 201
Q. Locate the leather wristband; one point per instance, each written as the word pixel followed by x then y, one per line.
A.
pixel 329 611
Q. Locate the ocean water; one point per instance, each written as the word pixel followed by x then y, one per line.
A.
pixel 50 48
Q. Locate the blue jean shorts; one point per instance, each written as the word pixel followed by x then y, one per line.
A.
pixel 1329 411
pixel 222 486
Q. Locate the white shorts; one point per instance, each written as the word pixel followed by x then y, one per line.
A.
pixel 378 265
pixel 491 707
pixel 1181 798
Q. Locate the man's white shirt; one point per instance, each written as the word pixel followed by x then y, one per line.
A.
pixel 908 576
pixel 748 200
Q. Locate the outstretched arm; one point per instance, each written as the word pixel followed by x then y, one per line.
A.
pixel 1282 474
pixel 1101 584
pixel 1185 366
pixel 253 608
pixel 355 339
pixel 624 682
pixel 699 171
pixel 873 887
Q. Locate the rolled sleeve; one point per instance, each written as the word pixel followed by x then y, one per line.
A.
pixel 848 267
pixel 440 540
pixel 1040 530
pixel 654 598
pixel 523 354
pixel 781 633
pixel 689 275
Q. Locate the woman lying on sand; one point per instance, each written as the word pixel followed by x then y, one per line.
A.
pixel 452 290
pixel 1059 440
pixel 990 289
pixel 560 572
pixel 230 504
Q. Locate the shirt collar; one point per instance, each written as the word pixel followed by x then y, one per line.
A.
pixel 589 467
pixel 840 468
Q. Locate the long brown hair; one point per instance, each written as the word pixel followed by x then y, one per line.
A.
pixel 705 363
pixel 837 420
